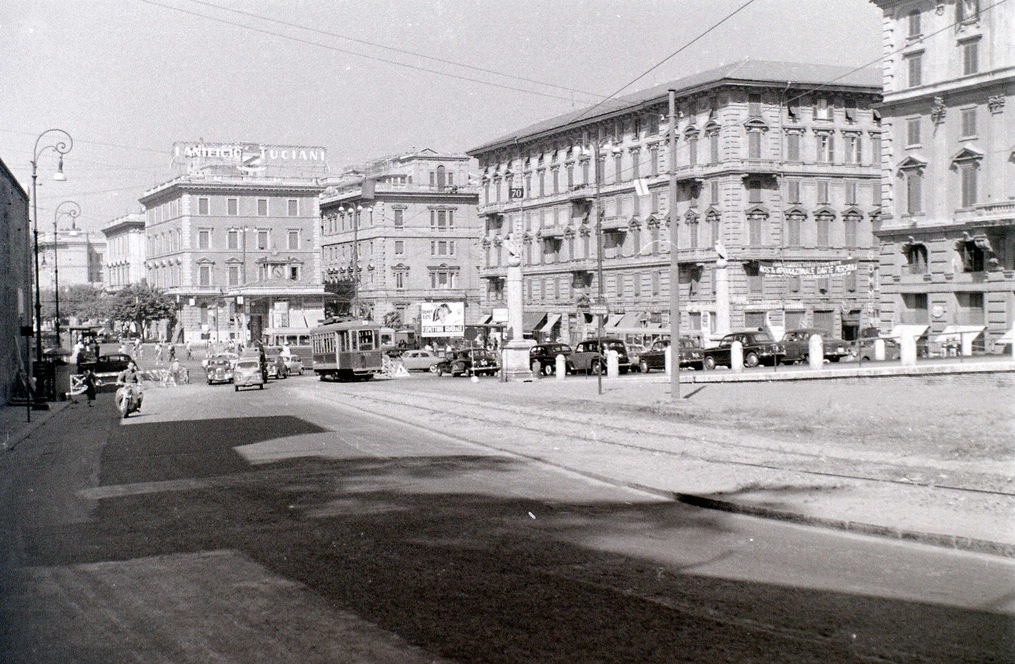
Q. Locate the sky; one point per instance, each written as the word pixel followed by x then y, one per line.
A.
pixel 365 79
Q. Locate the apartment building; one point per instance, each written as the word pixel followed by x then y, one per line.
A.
pixel 776 172
pixel 125 251
pixel 400 231
pixel 947 236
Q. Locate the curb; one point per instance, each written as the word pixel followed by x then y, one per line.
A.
pixel 29 428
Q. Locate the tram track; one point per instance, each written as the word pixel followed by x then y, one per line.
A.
pixel 648 439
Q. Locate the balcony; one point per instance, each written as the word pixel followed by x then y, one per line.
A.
pixel 993 214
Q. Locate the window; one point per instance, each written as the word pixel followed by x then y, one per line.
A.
pixel 914 24
pixel 754 145
pixel 824 225
pixel 262 239
pixel 713 188
pixel 914 190
pixel 967 11
pixel 234 275
pixel 793 222
pixel 204 276
pixel 969 176
pixel 822 192
pixel 793 191
pixel 232 207
pixel 754 105
pixel 754 191
pixel 793 146
pixel 876 149
pixel 850 111
pixel 399 218
pixel 755 224
pixel 968 122
pixel 293 239
pixel 851 223
pixel 850 193
pixel 203 206
pixel 618 167
pixel 853 155
pixel 399 279
pixel 916 259
pixel 653 156
pixel 692 150
pixel 970 308
pixel 293 207
pixel 233 239
pixel 972 256
pixel 826 149
pixel 914 68
pixel 713 146
pixel 914 309
pixel 203 238
pixel 970 58
pixel 399 247
pixel 822 109
pixel 755 283
pixel 294 272
pixel 262 207
pixel 912 132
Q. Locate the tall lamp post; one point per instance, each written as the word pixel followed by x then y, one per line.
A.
pixel 674 255
pixel 60 142
pixel 73 210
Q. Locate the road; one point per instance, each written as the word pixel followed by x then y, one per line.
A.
pixel 285 525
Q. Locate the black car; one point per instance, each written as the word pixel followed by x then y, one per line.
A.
pixel 469 362
pixel 797 345
pixel 543 358
pixel 106 367
pixel 587 356
pixel 759 348
pixel 690 355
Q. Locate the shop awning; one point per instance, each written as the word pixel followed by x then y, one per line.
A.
pixel 625 321
pixel 912 331
pixel 531 320
pixel 551 321
pixel 485 319
pixel 958 333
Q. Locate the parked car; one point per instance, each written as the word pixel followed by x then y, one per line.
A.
pixel 545 356
pixel 469 362
pixel 864 348
pixel 219 370
pixel 634 352
pixel 247 373
pixel 689 355
pixel 274 363
pixel 797 343
pixel 293 364
pixel 587 356
pixel 420 360
pixel 232 357
pixel 759 348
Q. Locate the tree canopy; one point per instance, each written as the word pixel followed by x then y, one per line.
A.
pixel 142 304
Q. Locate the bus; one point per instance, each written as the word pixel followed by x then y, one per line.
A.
pixel 347 350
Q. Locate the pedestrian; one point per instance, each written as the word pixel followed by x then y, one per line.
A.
pixel 174 369
pixel 172 353
pixel 90 386
pixel 138 349
pixel 189 349
pixel 158 353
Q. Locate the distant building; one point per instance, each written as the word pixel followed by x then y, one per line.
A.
pixel 777 170
pixel 401 231
pixel 76 255
pixel 16 289
pixel 125 251
pixel 236 239
pixel 948 227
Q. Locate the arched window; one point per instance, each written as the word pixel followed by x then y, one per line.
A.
pixel 916 258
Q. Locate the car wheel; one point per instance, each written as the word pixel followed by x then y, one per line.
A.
pixel 236 388
pixel 261 386
pixel 643 366
pixel 598 368
pixel 708 363
pixel 433 368
pixel 440 371
pixel 752 360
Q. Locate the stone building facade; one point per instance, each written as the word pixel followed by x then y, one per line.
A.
pixel 16 291
pixel 948 230
pixel 400 231
pixel 125 251
pixel 776 172
pixel 236 240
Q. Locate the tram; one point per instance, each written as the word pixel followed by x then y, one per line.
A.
pixel 347 350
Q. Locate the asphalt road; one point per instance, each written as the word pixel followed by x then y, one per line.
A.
pixel 264 526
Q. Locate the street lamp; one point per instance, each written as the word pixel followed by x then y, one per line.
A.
pixel 73 211
pixel 600 295
pixel 61 144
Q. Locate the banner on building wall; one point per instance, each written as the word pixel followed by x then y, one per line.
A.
pixel 809 269
pixel 442 319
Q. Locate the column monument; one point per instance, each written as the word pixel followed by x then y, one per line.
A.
pixel 516 350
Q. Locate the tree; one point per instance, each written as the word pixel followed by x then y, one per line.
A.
pixel 80 301
pixel 142 304
pixel 393 319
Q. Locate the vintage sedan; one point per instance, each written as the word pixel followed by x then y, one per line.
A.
pixel 797 343
pixel 590 355
pixel 275 363
pixel 105 367
pixel 469 362
pixel 420 360
pixel 219 370
pixel 293 364
pixel 543 358
pixel 689 355
pixel 759 348
pixel 247 373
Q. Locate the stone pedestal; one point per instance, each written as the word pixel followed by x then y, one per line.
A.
pixel 515 356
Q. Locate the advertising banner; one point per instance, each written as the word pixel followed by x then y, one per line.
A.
pixel 810 269
pixel 253 159
pixel 442 319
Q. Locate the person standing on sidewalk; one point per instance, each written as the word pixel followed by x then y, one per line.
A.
pixel 158 353
pixel 90 386
pixel 189 349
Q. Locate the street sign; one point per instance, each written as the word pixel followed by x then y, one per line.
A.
pixel 516 192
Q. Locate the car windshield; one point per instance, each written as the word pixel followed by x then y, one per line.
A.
pixel 247 364
pixel 762 337
pixel 614 345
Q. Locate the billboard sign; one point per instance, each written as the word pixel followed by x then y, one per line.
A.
pixel 808 269
pixel 442 319
pixel 252 159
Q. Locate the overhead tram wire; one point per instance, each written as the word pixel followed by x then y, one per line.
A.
pixel 395 49
pixel 363 55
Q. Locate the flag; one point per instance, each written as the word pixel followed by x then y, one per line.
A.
pixel 641 187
